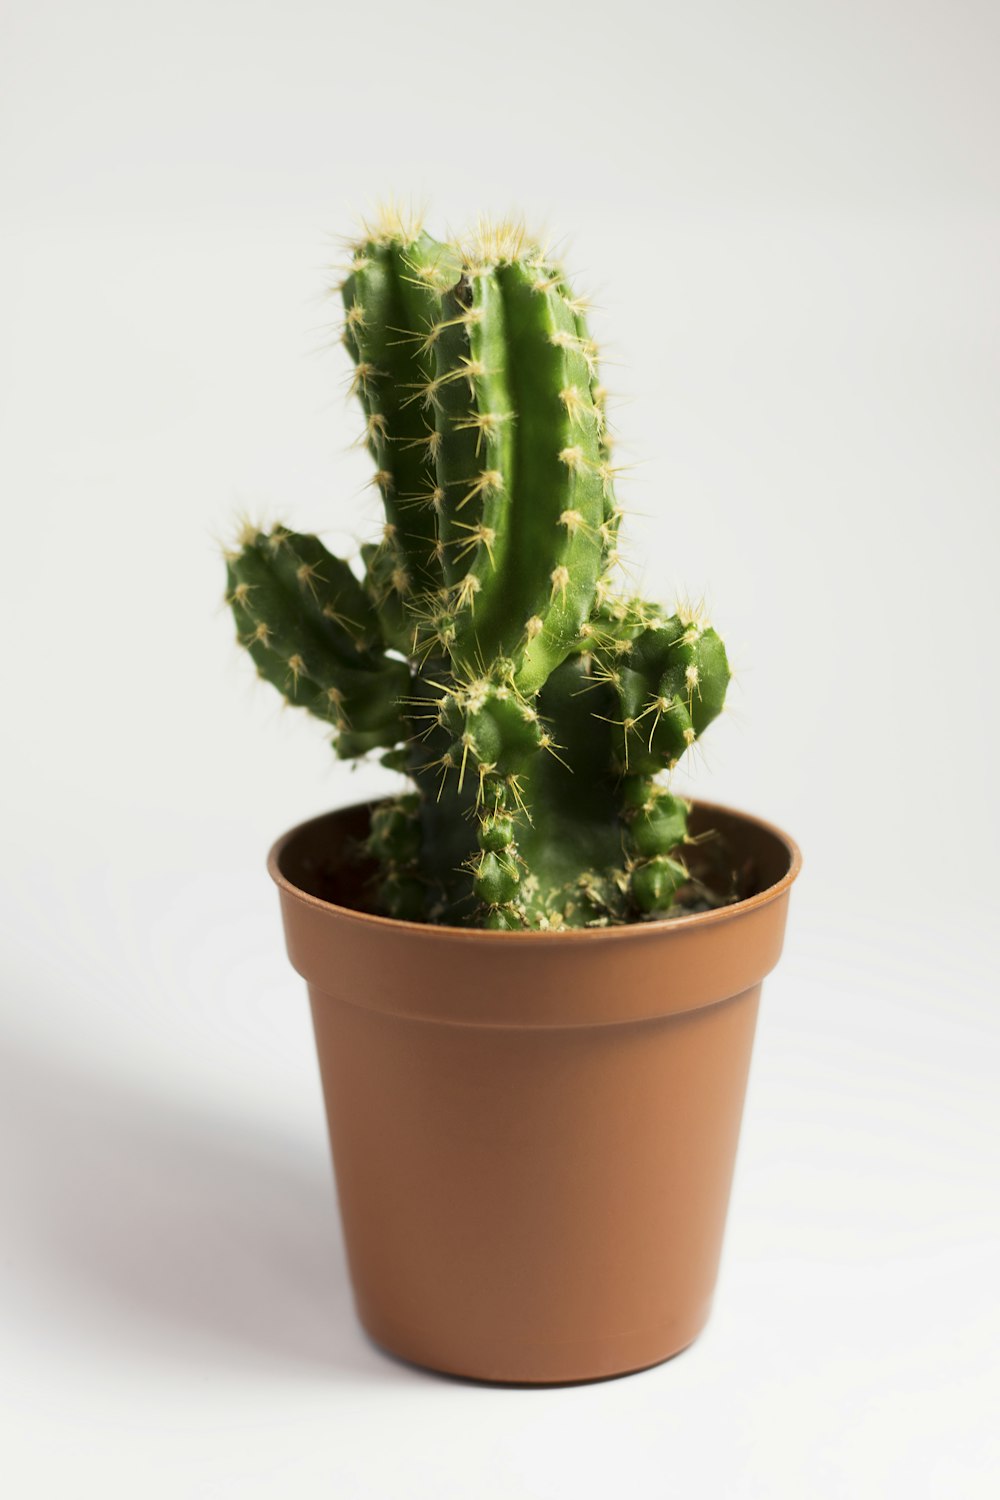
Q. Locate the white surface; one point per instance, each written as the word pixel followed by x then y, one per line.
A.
pixel 792 219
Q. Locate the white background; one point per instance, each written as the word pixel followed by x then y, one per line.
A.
pixel 790 216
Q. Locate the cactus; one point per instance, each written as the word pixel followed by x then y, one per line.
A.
pixel 486 652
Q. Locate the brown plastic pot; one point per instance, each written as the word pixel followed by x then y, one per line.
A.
pixel 533 1134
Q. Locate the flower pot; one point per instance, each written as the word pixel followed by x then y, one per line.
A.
pixel 533 1134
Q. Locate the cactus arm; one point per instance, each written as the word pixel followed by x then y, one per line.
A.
pixel 391 298
pixel 670 684
pixel 387 308
pixel 327 592
pixel 475 422
pixel 557 548
pixel 371 307
pixel 312 634
pixel 606 840
pixel 422 270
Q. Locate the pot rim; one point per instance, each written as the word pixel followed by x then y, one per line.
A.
pixel 431 931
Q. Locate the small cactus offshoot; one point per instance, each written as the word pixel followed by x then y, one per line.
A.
pixel 486 652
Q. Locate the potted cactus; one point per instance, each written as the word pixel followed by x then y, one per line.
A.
pixel 534 974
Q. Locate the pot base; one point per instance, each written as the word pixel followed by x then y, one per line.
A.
pixel 581 1362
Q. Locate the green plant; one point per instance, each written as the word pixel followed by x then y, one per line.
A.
pixel 485 651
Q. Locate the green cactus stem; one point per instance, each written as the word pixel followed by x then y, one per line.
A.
pixel 485 652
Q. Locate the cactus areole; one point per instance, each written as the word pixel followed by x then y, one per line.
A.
pixel 486 652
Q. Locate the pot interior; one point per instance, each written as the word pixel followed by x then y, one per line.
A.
pixel 735 856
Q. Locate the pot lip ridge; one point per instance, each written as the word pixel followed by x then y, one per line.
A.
pixel 437 932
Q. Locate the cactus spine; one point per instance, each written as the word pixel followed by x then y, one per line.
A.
pixel 486 652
